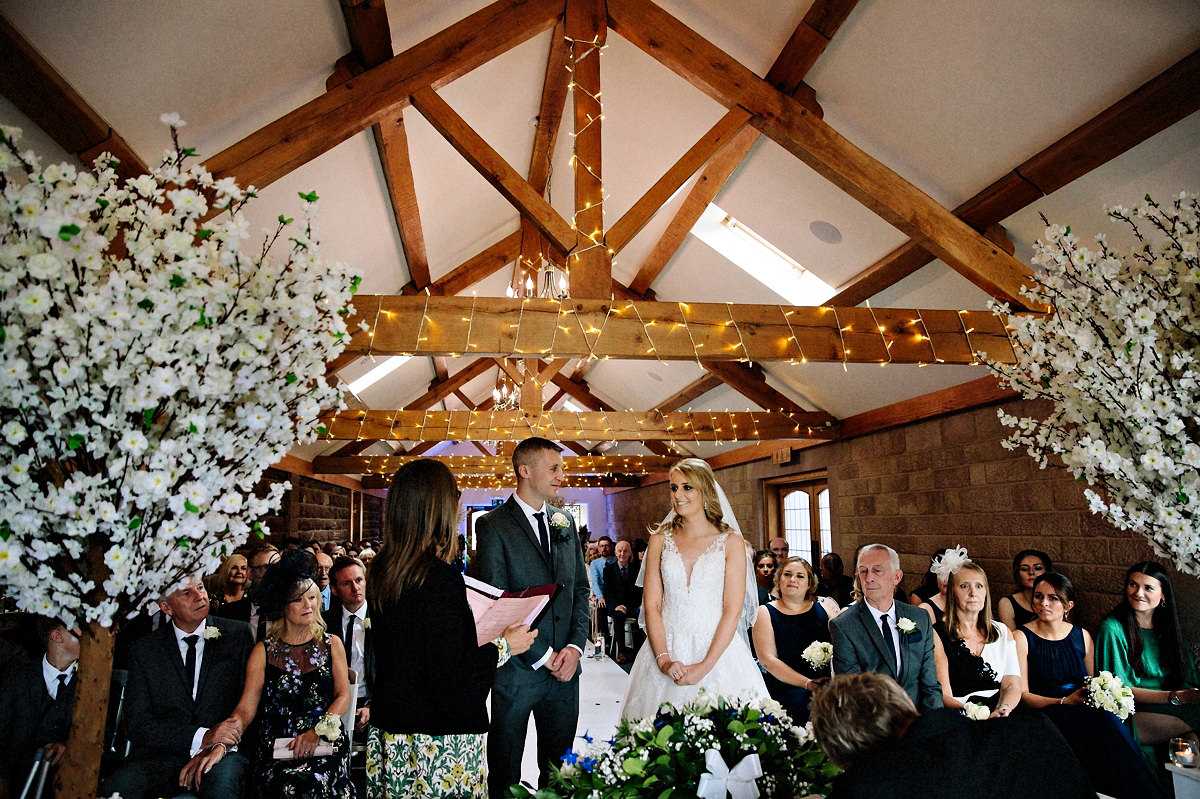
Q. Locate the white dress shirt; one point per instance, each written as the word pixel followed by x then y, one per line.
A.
pixel 356 650
pixel 893 616
pixel 533 525
pixel 198 736
pixel 51 675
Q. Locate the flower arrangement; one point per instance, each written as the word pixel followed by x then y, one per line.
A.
pixel 153 363
pixel 711 744
pixel 329 727
pixel 1107 692
pixel 1117 357
pixel 818 654
pixel 975 711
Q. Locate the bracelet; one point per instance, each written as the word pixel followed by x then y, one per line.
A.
pixel 660 655
pixel 1060 701
pixel 223 746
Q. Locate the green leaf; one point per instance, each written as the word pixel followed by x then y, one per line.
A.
pixel 146 304
pixel 183 543
pixel 75 442
pixel 148 417
pixel 3 334
pixel 257 529
pixel 192 428
pixel 286 220
pixel 204 233
pixel 344 312
pixel 322 430
pixel 135 522
pixel 310 197
pixel 292 379
pixel 189 507
pixel 177 281
pixel 103 203
pixel 355 282
pixel 68 232
pixel 204 321
pixel 634 765
pixel 5 531
pixel 664 735
pixel 1182 497
pixel 1129 347
pixel 188 152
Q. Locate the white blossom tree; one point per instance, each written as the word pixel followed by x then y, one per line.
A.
pixel 154 361
pixel 1117 357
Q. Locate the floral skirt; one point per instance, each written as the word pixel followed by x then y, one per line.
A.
pixel 439 766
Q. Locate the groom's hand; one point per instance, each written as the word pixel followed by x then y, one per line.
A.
pixel 564 662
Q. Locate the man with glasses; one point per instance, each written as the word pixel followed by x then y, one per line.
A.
pixel 260 559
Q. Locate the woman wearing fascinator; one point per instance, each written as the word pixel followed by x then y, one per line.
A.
pixel 941 566
pixel 699 599
pixel 297 686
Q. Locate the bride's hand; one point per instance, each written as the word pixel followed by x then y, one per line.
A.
pixel 675 670
pixel 694 673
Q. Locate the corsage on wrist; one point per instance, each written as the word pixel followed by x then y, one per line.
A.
pixel 502 644
pixel 329 727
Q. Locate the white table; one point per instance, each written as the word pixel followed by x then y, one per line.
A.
pixel 1187 781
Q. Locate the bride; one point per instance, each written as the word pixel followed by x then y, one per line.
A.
pixel 694 603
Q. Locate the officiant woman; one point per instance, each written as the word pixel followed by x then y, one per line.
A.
pixel 428 717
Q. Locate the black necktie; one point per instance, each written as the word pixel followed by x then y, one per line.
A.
pixel 887 640
pixel 350 635
pixel 542 535
pixel 189 663
pixel 62 687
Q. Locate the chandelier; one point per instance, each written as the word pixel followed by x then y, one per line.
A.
pixel 506 396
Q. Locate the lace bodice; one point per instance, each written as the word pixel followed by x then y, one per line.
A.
pixel 692 608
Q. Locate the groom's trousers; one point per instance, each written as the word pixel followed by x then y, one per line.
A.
pixel 554 706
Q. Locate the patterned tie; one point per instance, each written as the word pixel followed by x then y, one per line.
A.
pixel 886 627
pixel 542 535
pixel 189 663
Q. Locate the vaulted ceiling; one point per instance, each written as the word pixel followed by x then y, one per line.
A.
pixel 902 153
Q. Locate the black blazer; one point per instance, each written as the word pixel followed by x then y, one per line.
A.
pixel 31 719
pixel 510 557
pixel 945 754
pixel 433 677
pixel 161 716
pixel 622 592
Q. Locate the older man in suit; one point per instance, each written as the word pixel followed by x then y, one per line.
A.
pixel 624 598
pixel 881 635
pixel 185 679
pixel 523 543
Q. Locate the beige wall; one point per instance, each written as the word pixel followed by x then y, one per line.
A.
pixel 938 483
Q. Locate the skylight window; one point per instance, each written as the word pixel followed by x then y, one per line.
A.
pixel 381 370
pixel 760 259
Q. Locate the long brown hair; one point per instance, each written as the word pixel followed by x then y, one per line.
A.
pixel 984 622
pixel 419 526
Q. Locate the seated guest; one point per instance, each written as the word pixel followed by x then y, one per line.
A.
pixel 867 725
pixel 428 740
pixel 296 677
pixel 623 598
pixel 35 702
pixel 185 678
pixel 260 559
pixel 347 619
pixel 944 563
pixel 764 573
pixel 884 634
pixel 1017 609
pixel 1142 642
pixel 980 665
pixel 929 583
pixel 232 601
pixel 1056 658
pixel 604 556
pixel 785 627
pixel 834 582
pixel 324 564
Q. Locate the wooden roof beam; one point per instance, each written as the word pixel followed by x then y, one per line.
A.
pixel 475 464
pixel 326 121
pixel 1149 109
pixel 752 385
pixel 447 387
pixel 494 169
pixel 37 89
pixel 693 390
pixel 822 148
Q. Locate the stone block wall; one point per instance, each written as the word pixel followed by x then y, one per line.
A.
pixel 316 510
pixel 941 482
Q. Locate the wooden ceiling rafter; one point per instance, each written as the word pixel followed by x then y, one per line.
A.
pixel 817 144
pixel 1149 109
pixel 41 93
pixel 578 390
pixel 751 383
pixel 328 120
pixel 509 481
pixel 492 464
pixel 691 391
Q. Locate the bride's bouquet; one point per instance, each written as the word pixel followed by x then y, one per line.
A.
pixel 1107 692
pixel 709 747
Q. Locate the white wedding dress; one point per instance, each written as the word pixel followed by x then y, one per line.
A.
pixel 691 612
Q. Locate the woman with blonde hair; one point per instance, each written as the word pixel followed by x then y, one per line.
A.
pixel 427 739
pixel 697 588
pixel 229 584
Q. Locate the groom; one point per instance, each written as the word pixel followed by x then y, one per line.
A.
pixel 882 635
pixel 523 543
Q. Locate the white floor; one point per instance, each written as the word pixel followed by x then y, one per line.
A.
pixel 601 689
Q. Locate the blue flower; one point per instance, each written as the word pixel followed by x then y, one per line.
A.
pixel 588 764
pixel 570 758
pixel 586 736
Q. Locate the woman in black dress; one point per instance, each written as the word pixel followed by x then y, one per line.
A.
pixel 1016 609
pixel 428 716
pixel 232 601
pixel 785 628
pixel 764 573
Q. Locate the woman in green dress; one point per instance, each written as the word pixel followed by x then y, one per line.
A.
pixel 428 716
pixel 1141 642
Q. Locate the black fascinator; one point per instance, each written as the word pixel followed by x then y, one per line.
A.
pixel 283 581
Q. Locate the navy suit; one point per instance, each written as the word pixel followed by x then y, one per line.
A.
pixel 510 557
pixel 858 646
pixel 31 720
pixel 161 716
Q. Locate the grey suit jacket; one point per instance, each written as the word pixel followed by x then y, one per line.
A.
pixel 509 556
pixel 161 715
pixel 858 646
